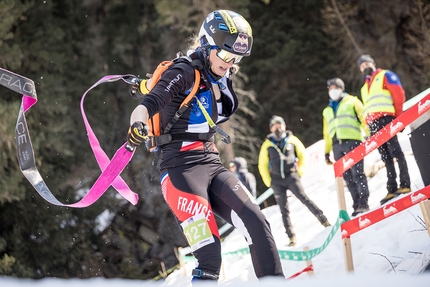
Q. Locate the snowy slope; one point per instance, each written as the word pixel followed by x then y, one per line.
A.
pixel 390 253
pixel 376 250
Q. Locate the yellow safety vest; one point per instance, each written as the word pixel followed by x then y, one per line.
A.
pixel 376 99
pixel 347 124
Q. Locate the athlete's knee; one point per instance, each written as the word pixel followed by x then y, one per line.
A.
pixel 253 218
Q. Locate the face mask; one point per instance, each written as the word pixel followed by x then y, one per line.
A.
pixel 335 94
pixel 368 71
pixel 279 133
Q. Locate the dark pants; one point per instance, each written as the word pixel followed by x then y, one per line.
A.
pixel 292 182
pixel 354 177
pixel 390 150
pixel 212 189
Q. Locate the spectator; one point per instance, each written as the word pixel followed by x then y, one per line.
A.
pixel 281 163
pixel 239 166
pixel 383 97
pixel 343 128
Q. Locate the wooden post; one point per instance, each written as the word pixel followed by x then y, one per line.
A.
pixel 308 262
pixel 340 193
pixel 222 275
pixel 425 209
pixel 349 263
pixel 181 263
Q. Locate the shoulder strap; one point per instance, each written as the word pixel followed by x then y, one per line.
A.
pixel 183 107
pixel 161 68
pixel 185 103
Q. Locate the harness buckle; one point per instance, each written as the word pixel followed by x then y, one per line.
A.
pixel 150 142
pixel 225 137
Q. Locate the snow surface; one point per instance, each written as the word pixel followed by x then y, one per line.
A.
pixel 392 252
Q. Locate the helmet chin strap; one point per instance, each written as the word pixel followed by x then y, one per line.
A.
pixel 214 78
pixel 206 52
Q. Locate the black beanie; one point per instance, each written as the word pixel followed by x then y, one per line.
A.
pixel 365 58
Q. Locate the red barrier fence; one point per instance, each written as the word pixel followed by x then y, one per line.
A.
pixel 382 136
pixel 307 269
pixel 354 156
pixel 360 222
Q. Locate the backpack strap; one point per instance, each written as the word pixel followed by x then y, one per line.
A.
pixel 166 138
pixel 186 102
pixel 160 140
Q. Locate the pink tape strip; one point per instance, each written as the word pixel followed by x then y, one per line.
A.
pixel 110 169
pixel 109 174
pixel 28 102
pixel 102 159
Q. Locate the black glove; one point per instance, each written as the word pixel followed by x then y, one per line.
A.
pixel 327 159
pixel 135 89
pixel 137 134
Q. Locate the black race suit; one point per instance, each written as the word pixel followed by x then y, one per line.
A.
pixel 193 178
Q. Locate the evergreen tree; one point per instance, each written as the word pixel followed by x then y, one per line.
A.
pixel 289 65
pixel 40 237
pixel 67 45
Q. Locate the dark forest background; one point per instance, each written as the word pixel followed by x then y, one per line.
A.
pixel 67 45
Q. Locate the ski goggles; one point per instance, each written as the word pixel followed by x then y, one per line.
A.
pixel 226 56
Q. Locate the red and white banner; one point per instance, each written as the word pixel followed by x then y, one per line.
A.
pixel 382 136
pixel 360 222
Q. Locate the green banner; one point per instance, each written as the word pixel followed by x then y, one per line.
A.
pixel 286 254
pixel 307 255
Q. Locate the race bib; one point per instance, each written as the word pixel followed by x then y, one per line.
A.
pixel 197 231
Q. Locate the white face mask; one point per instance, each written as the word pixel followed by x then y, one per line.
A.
pixel 335 94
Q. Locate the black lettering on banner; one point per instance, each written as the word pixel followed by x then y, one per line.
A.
pixel 25 151
pixel 28 88
pixel 44 191
pixel 21 133
pixel 17 83
pixel 5 78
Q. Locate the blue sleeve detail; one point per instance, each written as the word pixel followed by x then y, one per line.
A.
pixel 334 105
pixel 392 78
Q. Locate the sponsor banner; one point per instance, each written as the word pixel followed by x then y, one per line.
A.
pixel 382 136
pixel 360 222
pixel 111 169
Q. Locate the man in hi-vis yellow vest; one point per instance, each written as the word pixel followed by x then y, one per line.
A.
pixel 343 130
pixel 383 97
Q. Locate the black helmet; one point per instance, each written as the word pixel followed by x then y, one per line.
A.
pixel 336 82
pixel 227 30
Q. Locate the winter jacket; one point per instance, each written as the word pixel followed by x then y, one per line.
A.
pixel 382 95
pixel 279 157
pixel 343 120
